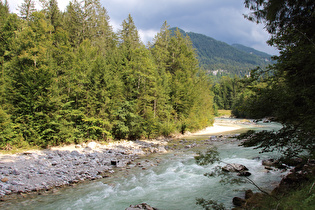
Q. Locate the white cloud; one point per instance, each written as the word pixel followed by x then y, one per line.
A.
pixel 222 20
pixel 14 4
pixel 62 4
pixel 147 35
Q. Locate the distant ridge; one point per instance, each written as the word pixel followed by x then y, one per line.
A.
pixel 253 51
pixel 220 58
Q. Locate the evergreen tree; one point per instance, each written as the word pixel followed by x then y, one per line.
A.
pixel 74 19
pixel 27 8
pixel 129 37
pixel 51 9
pixel 4 11
pixel 161 55
pixel 183 66
pixel 30 81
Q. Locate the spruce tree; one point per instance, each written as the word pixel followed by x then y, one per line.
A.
pixel 26 9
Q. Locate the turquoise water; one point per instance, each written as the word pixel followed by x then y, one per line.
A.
pixel 174 184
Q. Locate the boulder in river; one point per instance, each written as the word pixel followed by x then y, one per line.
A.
pixel 234 167
pixel 270 162
pixel 141 206
pixel 244 173
pixel 240 202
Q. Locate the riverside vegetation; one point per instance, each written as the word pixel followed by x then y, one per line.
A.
pixel 285 91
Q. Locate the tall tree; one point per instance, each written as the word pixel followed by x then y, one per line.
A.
pixel 4 11
pixel 129 36
pixel 29 90
pixel 50 7
pixel 26 9
pixel 161 55
pixel 183 66
pixel 290 24
pixel 129 42
pixel 74 19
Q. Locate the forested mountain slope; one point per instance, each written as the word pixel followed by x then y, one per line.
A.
pixel 221 58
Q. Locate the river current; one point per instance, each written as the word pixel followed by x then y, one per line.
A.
pixel 174 183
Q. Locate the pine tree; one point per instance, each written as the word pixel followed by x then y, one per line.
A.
pixel 53 14
pixel 29 91
pixel 183 66
pixel 4 11
pixel 26 9
pixel 74 20
pixel 129 37
pixel 161 55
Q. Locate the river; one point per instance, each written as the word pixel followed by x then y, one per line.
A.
pixel 174 183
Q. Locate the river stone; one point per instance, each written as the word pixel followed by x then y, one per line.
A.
pixel 78 146
pixel 234 167
pixel 16 172
pixel 5 172
pixel 270 162
pixel 92 145
pixel 74 153
pixel 244 173
pixel 238 201
pixel 140 206
pixel 5 179
pixel 248 194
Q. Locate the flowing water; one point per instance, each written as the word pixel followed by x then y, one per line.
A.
pixel 174 184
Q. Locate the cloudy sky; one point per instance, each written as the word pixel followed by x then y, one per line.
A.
pixel 219 19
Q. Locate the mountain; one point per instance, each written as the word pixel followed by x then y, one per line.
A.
pixel 221 58
pixel 250 50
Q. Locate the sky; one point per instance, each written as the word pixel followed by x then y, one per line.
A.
pixel 222 20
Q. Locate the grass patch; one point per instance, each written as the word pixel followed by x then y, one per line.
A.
pixel 302 198
pixel 15 150
pixel 226 113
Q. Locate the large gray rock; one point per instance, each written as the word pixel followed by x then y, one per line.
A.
pixel 234 167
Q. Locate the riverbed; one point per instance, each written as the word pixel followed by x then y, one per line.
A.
pixel 170 180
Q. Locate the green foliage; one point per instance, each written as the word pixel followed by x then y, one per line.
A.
pixel 66 77
pixel 287 141
pixel 209 157
pixel 225 92
pixel 286 90
pixel 7 134
pixel 27 8
pixel 210 204
pixel 301 198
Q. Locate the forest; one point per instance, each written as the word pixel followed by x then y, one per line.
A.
pixel 67 77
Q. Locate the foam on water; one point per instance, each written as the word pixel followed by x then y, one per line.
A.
pixel 174 184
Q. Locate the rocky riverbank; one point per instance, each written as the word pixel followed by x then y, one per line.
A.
pixel 302 173
pixel 43 170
